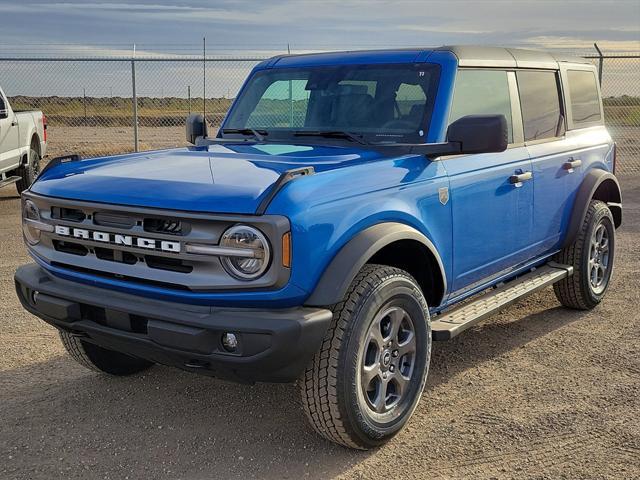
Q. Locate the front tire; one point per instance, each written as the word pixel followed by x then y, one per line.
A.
pixel 101 359
pixel 591 256
pixel 366 380
pixel 29 172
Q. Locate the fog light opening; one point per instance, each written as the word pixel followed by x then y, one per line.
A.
pixel 230 342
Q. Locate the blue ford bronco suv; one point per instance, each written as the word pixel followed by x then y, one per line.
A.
pixel 351 208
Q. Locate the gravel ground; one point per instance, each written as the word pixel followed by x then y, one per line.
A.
pixel 535 392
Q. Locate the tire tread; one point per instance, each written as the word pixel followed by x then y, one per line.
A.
pixel 570 291
pixel 318 384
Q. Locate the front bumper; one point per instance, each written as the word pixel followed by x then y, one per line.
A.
pixel 274 345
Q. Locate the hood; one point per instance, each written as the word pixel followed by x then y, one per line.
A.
pixel 213 179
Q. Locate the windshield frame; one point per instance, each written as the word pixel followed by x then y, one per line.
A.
pixel 289 134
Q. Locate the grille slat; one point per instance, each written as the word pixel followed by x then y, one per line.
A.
pixel 163 225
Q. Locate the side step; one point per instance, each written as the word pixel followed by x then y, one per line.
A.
pixel 451 323
pixel 8 181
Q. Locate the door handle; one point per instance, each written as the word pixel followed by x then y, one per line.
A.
pixel 572 164
pixel 517 180
pixel 14 123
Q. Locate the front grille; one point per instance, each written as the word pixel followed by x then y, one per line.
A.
pixel 163 225
pixel 147 246
pixel 70 247
pixel 112 220
pixel 68 214
pixel 169 264
pixel 115 255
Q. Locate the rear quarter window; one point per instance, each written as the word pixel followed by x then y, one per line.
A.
pixel 583 93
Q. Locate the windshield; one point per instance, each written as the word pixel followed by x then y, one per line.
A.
pixel 378 103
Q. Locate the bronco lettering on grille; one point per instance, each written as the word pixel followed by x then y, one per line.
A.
pixel 118 239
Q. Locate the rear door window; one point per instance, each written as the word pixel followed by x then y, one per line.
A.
pixel 540 103
pixel 482 92
pixel 583 91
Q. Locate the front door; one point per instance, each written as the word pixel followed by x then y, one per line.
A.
pixel 491 194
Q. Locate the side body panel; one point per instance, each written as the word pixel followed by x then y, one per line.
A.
pixel 16 132
pixel 337 208
pixel 10 150
pixel 556 181
pixel 492 218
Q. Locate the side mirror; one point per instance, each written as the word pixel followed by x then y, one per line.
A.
pixel 196 127
pixel 479 133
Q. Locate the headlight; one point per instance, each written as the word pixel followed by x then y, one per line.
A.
pixel 250 240
pixel 30 214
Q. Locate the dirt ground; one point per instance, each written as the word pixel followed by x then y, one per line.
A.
pixel 535 392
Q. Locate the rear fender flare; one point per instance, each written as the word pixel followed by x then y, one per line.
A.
pixel 601 185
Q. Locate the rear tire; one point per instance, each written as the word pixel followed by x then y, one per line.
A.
pixel 367 378
pixel 101 359
pixel 29 172
pixel 591 255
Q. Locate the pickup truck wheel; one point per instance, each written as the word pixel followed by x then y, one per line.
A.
pixel 591 256
pixel 101 359
pixel 28 172
pixel 366 380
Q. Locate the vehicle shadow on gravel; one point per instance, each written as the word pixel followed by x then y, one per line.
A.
pixel 9 198
pixel 496 337
pixel 171 424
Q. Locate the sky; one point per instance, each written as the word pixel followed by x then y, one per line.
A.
pixel 261 28
pixel 262 25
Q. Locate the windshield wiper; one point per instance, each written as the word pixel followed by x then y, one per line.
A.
pixel 330 134
pixel 258 134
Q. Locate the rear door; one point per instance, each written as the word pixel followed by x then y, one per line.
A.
pixel 556 169
pixel 9 137
pixel 492 217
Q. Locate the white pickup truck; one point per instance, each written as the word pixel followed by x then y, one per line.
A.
pixel 23 142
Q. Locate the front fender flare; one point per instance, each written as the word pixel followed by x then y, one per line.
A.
pixel 337 277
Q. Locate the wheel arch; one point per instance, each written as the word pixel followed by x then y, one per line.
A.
pixel 34 144
pixel 597 185
pixel 392 244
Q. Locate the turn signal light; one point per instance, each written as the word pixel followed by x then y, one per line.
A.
pixel 286 250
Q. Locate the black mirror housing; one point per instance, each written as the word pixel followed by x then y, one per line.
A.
pixel 480 133
pixel 196 127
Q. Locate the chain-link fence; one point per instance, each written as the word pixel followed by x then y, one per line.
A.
pixel 89 102
pixel 91 109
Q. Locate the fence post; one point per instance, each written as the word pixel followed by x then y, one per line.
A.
pixel 135 105
pixel 600 63
pixel 135 99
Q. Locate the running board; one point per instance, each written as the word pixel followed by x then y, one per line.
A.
pixel 8 181
pixel 450 324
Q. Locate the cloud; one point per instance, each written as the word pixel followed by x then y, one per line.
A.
pixel 328 24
